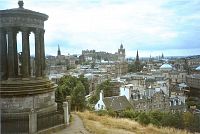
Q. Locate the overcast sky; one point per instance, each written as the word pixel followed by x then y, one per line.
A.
pixel 151 26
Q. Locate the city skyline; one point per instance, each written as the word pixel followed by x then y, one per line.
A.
pixel 152 27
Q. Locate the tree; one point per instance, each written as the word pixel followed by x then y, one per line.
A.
pixel 78 97
pixel 85 83
pixel 59 98
pixel 67 86
pixel 106 86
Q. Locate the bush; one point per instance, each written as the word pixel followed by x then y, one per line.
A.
pixel 102 112
pixel 143 118
pixel 112 113
pixel 156 117
pixel 129 114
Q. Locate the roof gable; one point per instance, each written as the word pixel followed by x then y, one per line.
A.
pixel 116 103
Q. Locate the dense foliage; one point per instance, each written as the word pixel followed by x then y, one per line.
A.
pixel 106 86
pixel 185 120
pixel 74 87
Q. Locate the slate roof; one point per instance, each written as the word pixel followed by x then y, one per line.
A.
pixel 116 103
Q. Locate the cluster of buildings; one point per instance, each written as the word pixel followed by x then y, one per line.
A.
pixel 163 85
pixel 159 83
pixel 60 63
pixel 96 66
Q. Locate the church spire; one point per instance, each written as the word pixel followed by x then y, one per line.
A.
pixel 121 46
pixel 137 63
pixel 137 56
pixel 59 52
pixel 162 56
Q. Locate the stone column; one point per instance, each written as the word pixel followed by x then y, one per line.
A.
pixel 66 113
pixel 3 55
pixel 42 56
pixel 11 58
pixel 29 57
pixel 37 53
pixel 32 122
pixel 15 52
pixel 25 53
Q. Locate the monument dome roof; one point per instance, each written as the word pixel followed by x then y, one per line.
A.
pixel 198 68
pixel 166 66
pixel 23 12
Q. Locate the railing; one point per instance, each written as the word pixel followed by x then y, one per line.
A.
pixel 50 119
pixel 19 124
pixel 14 124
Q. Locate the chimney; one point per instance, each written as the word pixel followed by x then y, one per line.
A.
pixel 101 95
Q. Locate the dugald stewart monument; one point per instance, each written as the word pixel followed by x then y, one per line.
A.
pixel 27 99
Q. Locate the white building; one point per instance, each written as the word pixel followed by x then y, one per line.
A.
pixel 114 103
pixel 126 91
pixel 100 104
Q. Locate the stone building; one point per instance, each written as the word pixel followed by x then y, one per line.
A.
pixel 158 101
pixel 147 93
pixel 121 53
pixel 26 101
pixel 193 81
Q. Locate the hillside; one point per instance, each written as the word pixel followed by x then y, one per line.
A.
pixel 108 125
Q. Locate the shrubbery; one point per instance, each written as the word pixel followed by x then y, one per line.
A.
pixel 185 120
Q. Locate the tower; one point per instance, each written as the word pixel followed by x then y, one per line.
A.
pixel 137 62
pixel 137 57
pixel 59 52
pixel 121 53
pixel 162 56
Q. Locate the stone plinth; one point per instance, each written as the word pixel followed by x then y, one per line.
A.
pixel 27 95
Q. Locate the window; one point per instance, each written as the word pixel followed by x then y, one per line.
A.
pixel 98 105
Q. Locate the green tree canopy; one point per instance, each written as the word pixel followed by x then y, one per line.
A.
pixel 74 87
pixel 85 83
pixel 106 86
pixel 78 96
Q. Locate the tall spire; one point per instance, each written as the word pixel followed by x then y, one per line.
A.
pixel 137 56
pixel 137 63
pixel 121 46
pixel 162 56
pixel 59 52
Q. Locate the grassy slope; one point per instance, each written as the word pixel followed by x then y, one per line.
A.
pixel 108 125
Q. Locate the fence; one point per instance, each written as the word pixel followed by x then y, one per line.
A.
pixel 19 123
pixel 50 119
pixel 14 124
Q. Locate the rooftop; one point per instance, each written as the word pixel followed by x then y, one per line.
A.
pixel 116 103
pixel 22 11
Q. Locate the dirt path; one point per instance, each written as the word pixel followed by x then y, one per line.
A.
pixel 76 127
